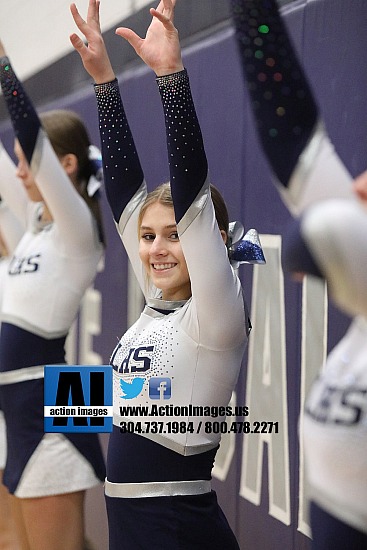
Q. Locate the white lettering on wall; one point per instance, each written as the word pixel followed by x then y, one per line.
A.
pixel 266 387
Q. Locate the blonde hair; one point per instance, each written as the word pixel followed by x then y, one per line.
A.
pixel 163 195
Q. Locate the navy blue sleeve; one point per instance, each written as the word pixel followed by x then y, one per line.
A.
pixel 23 116
pixel 281 99
pixel 123 174
pixel 186 155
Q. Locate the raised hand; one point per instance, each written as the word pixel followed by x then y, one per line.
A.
pixel 93 54
pixel 160 49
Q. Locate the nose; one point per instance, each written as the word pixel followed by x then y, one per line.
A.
pixel 158 247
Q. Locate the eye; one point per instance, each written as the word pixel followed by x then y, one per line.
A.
pixel 147 237
pixel 174 236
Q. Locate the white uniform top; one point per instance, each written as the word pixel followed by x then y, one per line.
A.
pixel 54 264
pixel 197 346
pixel 49 271
pixel 335 430
pixel 13 202
pixel 334 227
pixel 11 231
pixel 201 356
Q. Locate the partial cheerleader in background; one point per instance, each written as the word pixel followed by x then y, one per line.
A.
pixel 327 239
pixel 11 231
pixel 50 269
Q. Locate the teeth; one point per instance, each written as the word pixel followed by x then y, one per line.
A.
pixel 160 267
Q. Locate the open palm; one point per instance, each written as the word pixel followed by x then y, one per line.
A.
pixel 160 49
pixel 93 54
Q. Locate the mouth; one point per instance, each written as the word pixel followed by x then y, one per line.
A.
pixel 163 267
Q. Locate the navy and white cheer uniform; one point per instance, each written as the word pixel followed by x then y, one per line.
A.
pixel 177 353
pixel 327 239
pixel 11 230
pixel 52 266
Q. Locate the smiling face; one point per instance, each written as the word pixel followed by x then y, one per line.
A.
pixel 24 173
pixel 161 253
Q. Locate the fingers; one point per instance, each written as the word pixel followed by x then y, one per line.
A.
pixel 169 5
pixel 165 13
pixel 165 8
pixel 167 22
pixel 93 53
pixel 134 40
pixel 98 5
pixel 79 21
pixel 92 17
pixel 77 42
pixel 93 12
pixel 166 5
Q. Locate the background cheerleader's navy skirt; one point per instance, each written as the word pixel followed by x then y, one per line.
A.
pixel 193 522
pixel 22 404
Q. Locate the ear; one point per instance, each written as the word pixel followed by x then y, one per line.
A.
pixel 70 164
pixel 224 236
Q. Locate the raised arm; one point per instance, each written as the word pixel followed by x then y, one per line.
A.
pixel 26 127
pixel 69 211
pixel 161 51
pixel 210 271
pixel 285 110
pixel 123 174
pixel 286 114
pixel 327 239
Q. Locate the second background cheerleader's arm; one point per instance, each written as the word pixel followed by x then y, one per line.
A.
pixel 305 165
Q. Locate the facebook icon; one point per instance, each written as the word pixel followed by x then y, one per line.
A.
pixel 160 388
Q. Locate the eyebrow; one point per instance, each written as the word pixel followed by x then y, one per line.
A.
pixel 147 228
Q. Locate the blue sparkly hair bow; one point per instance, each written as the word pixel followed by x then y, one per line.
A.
pixel 244 249
pixel 96 179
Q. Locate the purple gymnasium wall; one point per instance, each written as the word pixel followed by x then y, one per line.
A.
pixel 331 41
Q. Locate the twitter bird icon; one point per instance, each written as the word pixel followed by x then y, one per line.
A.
pixel 131 390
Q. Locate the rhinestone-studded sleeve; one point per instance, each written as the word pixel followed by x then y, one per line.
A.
pixel 186 156
pixel 123 174
pixel 282 102
pixel 24 118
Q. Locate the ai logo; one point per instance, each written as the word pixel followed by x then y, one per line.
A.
pixel 160 388
pixel 78 399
